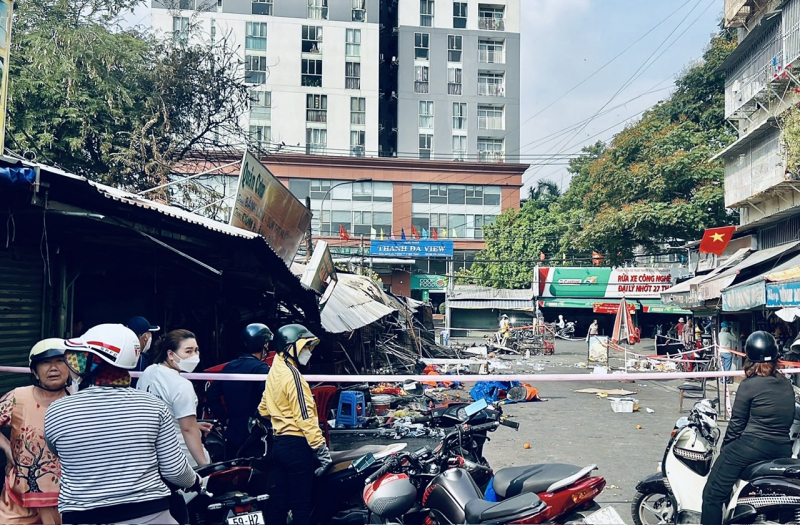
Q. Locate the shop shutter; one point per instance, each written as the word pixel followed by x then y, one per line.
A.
pixel 20 312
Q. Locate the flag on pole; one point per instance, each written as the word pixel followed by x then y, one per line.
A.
pixel 434 234
pixel 715 240
pixel 382 234
pixel 402 234
pixel 444 233
pixel 391 236
pixel 343 233
pixel 414 233
pixel 424 233
pixel 372 233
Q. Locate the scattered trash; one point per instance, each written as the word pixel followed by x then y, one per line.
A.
pixel 581 365
pixel 616 392
pixel 526 446
pixel 612 487
pixel 650 410
pixel 638 427
pixel 600 370
pixel 624 404
pixel 538 367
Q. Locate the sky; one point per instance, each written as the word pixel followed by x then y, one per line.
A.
pixel 565 41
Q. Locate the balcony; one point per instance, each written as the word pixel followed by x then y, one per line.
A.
pixel 491 156
pixel 737 12
pixel 492 24
pixel 491 123
pixel 491 88
pixel 488 56
pixel 356 151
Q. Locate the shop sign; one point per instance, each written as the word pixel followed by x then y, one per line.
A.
pixel 320 271
pixel 611 308
pixel 740 298
pixel 609 283
pixel 784 294
pixel 267 207
pixel 428 282
pixel 420 248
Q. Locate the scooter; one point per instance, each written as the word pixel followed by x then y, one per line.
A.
pixel 769 490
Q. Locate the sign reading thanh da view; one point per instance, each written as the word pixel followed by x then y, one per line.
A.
pixel 265 206
pixel 411 248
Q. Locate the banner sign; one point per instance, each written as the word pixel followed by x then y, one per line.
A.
pixel 784 294
pixel 740 298
pixel 265 206
pixel 411 248
pixel 608 283
pixel 428 282
pixel 320 271
pixel 611 308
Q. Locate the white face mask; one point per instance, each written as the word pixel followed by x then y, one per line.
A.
pixel 147 344
pixel 304 357
pixel 187 365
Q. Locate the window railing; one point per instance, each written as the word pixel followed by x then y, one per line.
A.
pixel 352 83
pixel 315 149
pixel 316 115
pixel 317 12
pixel 262 8
pixel 492 24
pixel 460 155
pixel 359 15
pixel 421 86
pixel 491 156
pixel 492 88
pixel 486 122
pixel 453 88
pixel 357 151
pixel 491 56
pixel 311 80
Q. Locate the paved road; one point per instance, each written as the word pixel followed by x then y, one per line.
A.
pixel 582 429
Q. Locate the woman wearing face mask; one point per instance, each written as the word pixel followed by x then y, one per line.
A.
pixel 177 352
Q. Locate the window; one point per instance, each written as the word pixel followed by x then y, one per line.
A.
pixel 457 226
pixel 186 5
pixel 438 194
pixel 438 220
pixel 256 36
pixel 362 222
pixel 478 222
pixel 180 29
pixel 260 136
pixel 420 221
pixel 491 117
pixel 312 39
pixel 421 79
pixel 311 73
pixel 491 51
pixel 358 111
pixel 260 104
pixel 490 150
pixel 318 9
pixel 300 188
pixel 459 147
pixel 420 193
pixel 316 108
pixel 316 141
pixel 359 12
pixel 426 13
pixel 491 84
pixel 352 75
pixel 382 221
pixel 491 195
pixel 454 46
pixel 353 45
pixel 459 15
pixel 491 17
pixel 342 218
pixel 456 194
pixel 213 30
pixel 357 141
pixel 422 46
pixel 425 145
pixel 475 195
pixel 362 191
pixel 426 114
pixel 255 69
pixel 453 80
pixel 262 7
pixel 459 115
pixel 382 192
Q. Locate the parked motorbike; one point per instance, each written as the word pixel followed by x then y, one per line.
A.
pixel 768 490
pixel 223 497
pixel 567 331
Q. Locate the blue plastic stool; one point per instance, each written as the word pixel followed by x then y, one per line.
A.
pixel 351 411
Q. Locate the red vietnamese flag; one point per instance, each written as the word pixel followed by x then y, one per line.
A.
pixel 434 234
pixel 715 240
pixel 414 233
pixel 343 233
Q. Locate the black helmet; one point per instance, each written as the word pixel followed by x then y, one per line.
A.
pixel 761 347
pixel 255 337
pixel 288 335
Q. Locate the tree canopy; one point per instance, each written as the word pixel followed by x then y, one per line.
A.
pixel 653 185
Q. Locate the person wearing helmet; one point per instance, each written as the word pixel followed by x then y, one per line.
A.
pixel 144 331
pixel 298 443
pixel 759 426
pixel 505 327
pixel 115 443
pixel 30 491
pixel 245 395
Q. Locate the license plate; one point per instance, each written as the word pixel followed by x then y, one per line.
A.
pixel 604 516
pixel 251 518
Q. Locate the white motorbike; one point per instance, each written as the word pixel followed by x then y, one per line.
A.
pixel 766 491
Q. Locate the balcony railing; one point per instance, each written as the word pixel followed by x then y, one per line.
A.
pixel 315 149
pixel 490 122
pixel 356 151
pixel 492 89
pixel 490 56
pixel 491 156
pixel 316 115
pixel 420 87
pixel 492 24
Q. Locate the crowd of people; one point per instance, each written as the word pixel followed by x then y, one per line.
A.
pixel 87 445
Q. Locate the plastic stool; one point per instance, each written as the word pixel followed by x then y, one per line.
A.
pixel 351 410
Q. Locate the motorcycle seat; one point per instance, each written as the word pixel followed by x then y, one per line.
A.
pixel 775 467
pixel 344 456
pixel 481 511
pixel 511 481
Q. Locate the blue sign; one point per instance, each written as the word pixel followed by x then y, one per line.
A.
pixel 784 294
pixel 412 248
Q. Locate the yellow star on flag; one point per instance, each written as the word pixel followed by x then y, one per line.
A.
pixel 717 237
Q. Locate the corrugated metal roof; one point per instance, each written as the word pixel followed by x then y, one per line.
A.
pixel 462 292
pixel 349 309
pixel 494 304
pixel 686 286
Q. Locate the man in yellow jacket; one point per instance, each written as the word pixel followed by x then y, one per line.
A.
pixel 298 443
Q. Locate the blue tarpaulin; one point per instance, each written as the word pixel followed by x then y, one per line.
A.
pixel 17 177
pixel 489 390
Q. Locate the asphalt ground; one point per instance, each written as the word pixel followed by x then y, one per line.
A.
pixel 579 428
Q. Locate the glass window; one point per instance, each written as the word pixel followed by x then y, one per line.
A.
pixel 491 195
pixel 421 79
pixel 491 17
pixel 358 111
pixel 316 141
pixel 491 117
pixel 459 15
pixel 425 146
pixel 382 220
pixel 420 193
pixel 256 36
pixel 300 188
pixel 454 81
pixel 261 100
pixel 312 39
pixel 318 9
pixel 439 220
pixel 255 69
pixel 457 225
pixel 491 84
pixel 490 150
pixel 475 195
pixel 316 108
pixel 362 191
pixel 420 221
pixel 359 11
pixel 439 193
pixel 456 194
pixel 262 7
pixel 353 43
pixel 344 218
pixel 357 140
pixel 421 46
pixel 491 51
pixel 454 48
pixel 382 191
pixel 426 13
pixel 426 114
pixel 343 192
pixel 352 75
pixel 311 73
pixel 180 29
pixel 259 136
pixel 459 115
pixel 460 148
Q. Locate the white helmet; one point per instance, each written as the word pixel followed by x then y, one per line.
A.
pixel 680 319
pixel 115 344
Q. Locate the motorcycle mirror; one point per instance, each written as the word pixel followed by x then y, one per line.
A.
pixel 476 407
pixel 363 463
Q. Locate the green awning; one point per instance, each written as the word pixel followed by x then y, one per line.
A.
pixel 654 306
pixel 567 303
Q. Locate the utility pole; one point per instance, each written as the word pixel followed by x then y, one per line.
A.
pixel 309 244
pixel 361 270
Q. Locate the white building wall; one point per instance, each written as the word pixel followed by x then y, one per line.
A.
pixel 408 14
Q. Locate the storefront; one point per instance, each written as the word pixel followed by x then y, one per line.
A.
pixel 429 288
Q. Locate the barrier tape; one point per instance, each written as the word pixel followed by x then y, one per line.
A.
pixel 526 378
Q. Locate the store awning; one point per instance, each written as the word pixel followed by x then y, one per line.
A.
pixel 568 303
pixel 601 305
pixel 687 293
pixel 752 293
pixel 657 307
pixel 492 304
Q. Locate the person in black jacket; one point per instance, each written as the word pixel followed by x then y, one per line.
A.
pixel 241 398
pixel 759 427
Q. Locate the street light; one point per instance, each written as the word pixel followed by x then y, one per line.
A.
pixel 326 196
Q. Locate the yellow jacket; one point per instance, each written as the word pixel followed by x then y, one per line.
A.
pixel 288 402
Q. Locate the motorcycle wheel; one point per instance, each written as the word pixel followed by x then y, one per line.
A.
pixel 652 508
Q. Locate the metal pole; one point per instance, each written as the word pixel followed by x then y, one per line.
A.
pixel 450 287
pixel 361 268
